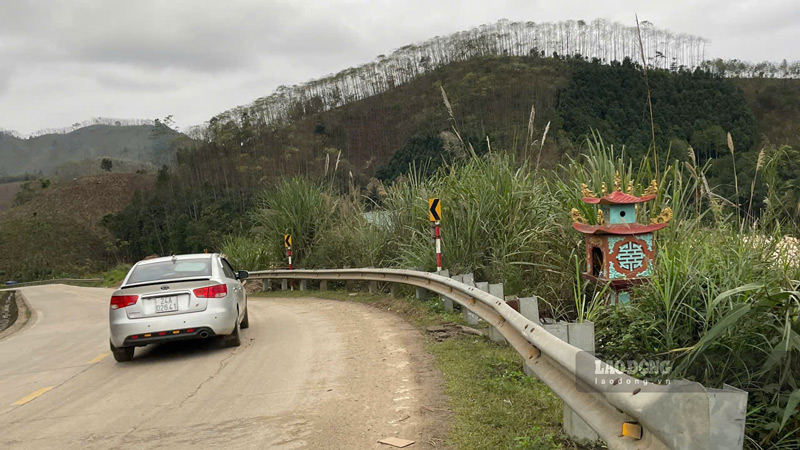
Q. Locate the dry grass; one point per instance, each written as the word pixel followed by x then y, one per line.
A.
pixel 85 200
pixel 58 231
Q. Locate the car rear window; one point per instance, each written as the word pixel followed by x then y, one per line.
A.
pixel 170 270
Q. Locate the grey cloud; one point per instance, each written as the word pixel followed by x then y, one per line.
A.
pixel 69 60
pixel 200 36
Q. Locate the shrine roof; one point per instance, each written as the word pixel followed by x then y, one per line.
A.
pixel 619 228
pixel 618 198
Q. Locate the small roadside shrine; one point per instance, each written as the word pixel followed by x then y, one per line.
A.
pixel 619 251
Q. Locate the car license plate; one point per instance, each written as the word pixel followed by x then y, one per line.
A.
pixel 166 304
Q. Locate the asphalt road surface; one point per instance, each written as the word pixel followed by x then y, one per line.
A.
pixel 315 374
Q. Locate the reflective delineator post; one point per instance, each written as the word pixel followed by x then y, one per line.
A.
pixel 289 253
pixel 287 242
pixel 437 235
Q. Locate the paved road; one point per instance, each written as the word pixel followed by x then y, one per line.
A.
pixel 310 373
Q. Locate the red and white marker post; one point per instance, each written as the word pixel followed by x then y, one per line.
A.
pixel 287 242
pixel 438 237
pixel 435 216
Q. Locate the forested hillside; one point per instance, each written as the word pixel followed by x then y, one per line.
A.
pixel 44 153
pixel 491 99
pixel 54 228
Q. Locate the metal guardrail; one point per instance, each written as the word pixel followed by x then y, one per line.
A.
pixel 53 281
pixel 681 415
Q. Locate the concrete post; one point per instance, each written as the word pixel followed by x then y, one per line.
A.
pixel 373 287
pixel 394 290
pixel 445 273
pixel 422 294
pixel 323 285
pixel 497 290
pixel 303 285
pixel 284 284
pixel 558 330
pixel 529 308
pixel 580 335
pixel 494 334
pixel 265 285
pixel 348 284
pixel 448 303
pixel 470 317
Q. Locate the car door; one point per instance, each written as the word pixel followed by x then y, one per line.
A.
pixel 237 288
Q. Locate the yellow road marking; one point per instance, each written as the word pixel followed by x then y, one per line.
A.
pixel 99 358
pixel 32 396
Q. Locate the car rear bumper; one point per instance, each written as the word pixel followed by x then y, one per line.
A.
pixel 215 320
pixel 140 340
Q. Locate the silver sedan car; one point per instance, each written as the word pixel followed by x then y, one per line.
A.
pixel 175 298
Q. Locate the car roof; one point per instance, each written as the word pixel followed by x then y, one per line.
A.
pixel 178 258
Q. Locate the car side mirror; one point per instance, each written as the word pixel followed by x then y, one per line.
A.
pixel 242 275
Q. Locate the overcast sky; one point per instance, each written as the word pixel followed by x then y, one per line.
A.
pixel 66 61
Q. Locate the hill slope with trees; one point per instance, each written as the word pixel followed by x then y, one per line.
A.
pixel 44 153
pixel 490 99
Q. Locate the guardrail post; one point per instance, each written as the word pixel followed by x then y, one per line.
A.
pixel 422 293
pixel 469 316
pixel 323 285
pixel 448 303
pixel 394 290
pixel 445 273
pixel 494 334
pixel 265 285
pixel 284 284
pixel 529 308
pixel 303 285
pixel 580 335
pixel 373 287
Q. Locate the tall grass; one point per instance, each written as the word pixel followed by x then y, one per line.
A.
pixel 498 220
pixel 296 206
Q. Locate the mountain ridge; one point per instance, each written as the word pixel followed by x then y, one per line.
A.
pixel 46 152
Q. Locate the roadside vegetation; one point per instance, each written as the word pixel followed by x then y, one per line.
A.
pixel 722 308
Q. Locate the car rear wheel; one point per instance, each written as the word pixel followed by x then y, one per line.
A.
pixel 233 340
pixel 246 321
pixel 122 354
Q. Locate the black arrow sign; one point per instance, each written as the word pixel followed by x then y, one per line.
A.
pixel 435 210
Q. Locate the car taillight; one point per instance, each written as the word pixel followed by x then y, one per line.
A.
pixel 215 291
pixel 122 301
